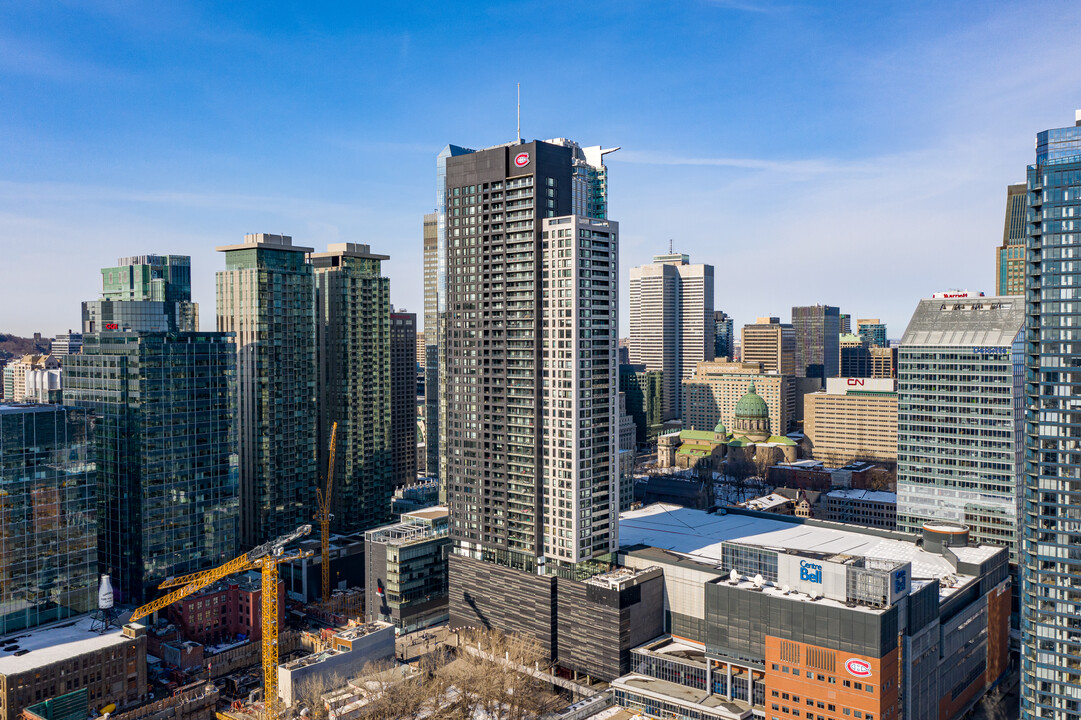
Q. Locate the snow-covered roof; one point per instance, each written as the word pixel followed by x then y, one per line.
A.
pixel 61 641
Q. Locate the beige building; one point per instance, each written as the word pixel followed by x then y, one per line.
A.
pixel 852 419
pixel 27 367
pixel 711 394
pixel 771 343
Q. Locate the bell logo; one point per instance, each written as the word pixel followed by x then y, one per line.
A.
pixel 521 160
pixel 859 668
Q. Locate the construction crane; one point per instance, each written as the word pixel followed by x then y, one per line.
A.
pixel 266 558
pixel 323 514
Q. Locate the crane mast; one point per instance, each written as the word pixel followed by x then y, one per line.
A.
pixel 324 514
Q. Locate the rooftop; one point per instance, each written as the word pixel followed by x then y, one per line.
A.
pixel 971 321
pixel 50 644
pixel 869 495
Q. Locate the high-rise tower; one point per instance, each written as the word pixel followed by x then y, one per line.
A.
pixel 818 353
pixel 1051 545
pixel 430 358
pixel 1010 268
pixel 266 297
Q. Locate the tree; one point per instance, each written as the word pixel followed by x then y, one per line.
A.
pixel 310 692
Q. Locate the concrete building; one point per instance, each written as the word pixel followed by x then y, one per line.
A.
pixel 644 393
pixel 165 439
pixel 627 431
pixel 959 417
pixel 817 329
pixel 724 336
pixel 1010 256
pixel 48 515
pixel 403 392
pixel 860 361
pixel 1051 556
pixel 769 616
pixel 770 343
pixel 350 650
pixel 872 332
pixel 266 298
pixel 405 571
pixel 29 374
pixel 711 395
pixel 872 508
pixel 68 343
pixel 852 419
pixel 672 324
pixel 431 344
pixel 51 661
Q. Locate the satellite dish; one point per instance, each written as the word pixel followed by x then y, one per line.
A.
pixel 734 576
pixel 815 594
pixel 785 589
pixel 758 581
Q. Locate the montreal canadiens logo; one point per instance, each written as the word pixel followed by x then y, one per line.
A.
pixel 521 159
pixel 858 667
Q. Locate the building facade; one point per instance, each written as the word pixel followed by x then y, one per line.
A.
pixel 431 345
pixel 266 298
pixel 859 361
pixel 403 392
pixel 1050 563
pixel 872 508
pixel 771 343
pixel 356 383
pixel 1010 256
pixel 724 336
pixel 817 328
pixel 672 324
pixel 165 438
pixel 68 343
pixel 872 332
pixel 405 570
pixel 48 515
pixel 958 417
pixel 644 391
pixel 852 419
pixel 712 393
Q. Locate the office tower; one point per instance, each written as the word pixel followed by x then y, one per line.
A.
pixel 403 393
pixel 431 344
pixel 165 438
pixel 355 383
pixel 852 419
pixel 817 328
pixel 958 416
pixel 723 336
pixel 770 343
pixel 671 320
pixel 845 323
pixel 48 515
pixel 859 361
pixel 266 298
pixel 408 562
pixel 147 293
pixel 711 394
pixel 1051 561
pixel 872 332
pixel 528 416
pixel 68 343
pixel 644 390
pixel 1010 268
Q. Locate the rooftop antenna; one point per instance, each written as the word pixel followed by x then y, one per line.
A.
pixel 519 136
pixel 671 247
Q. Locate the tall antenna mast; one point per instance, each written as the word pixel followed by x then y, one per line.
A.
pixel 519 136
pixel 671 246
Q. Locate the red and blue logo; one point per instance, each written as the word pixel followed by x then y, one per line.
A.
pixel 859 668
pixel 521 160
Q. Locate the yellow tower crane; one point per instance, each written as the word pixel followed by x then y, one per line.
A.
pixel 323 514
pixel 266 558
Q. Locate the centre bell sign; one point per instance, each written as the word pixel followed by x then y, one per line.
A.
pixel 811 575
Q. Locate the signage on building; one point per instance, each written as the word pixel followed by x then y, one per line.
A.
pixel 112 326
pixel 957 294
pixel 842 385
pixel 900 581
pixel 990 351
pixel 857 667
pixel 521 160
pixel 810 572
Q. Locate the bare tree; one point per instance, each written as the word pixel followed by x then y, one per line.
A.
pixel 310 694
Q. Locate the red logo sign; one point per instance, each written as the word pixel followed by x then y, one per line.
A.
pixel 855 381
pixel 521 160
pixel 859 668
pixel 112 326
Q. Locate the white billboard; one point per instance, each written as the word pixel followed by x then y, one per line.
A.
pixel 840 386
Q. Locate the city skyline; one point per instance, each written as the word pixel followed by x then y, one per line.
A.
pixel 186 164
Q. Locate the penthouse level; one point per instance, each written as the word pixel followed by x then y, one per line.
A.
pixel 784 617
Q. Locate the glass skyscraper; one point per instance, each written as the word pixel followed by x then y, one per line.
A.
pixel 266 297
pixel 1051 569
pixel 162 407
pixel 48 532
pixel 818 350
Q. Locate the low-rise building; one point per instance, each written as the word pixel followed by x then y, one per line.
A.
pixel 224 611
pixel 350 650
pixel 406 570
pixel 873 508
pixel 773 616
pixel 52 661
pixel 29 374
pixel 852 419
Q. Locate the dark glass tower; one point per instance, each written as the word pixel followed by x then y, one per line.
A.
pixel 818 350
pixel 1051 509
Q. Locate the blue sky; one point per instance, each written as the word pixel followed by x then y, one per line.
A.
pixel 847 153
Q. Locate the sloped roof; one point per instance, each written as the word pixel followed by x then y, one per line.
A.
pixel 975 321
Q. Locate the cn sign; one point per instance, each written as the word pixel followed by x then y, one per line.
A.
pixel 855 381
pixel 112 326
pixel 521 160
pixel 859 668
